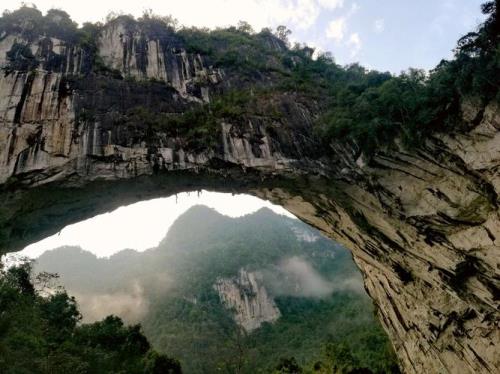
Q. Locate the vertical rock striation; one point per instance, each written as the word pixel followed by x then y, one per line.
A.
pixel 246 296
pixel 134 53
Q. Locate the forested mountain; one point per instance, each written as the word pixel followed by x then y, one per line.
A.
pixel 236 295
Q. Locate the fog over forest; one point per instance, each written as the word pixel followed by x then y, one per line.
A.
pixel 212 272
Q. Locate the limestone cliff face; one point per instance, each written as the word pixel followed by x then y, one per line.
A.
pixel 131 51
pixel 48 54
pixel 57 119
pixel 303 234
pixel 247 298
pixel 423 224
pixel 426 237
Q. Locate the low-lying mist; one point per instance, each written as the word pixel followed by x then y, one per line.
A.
pixel 295 276
pixel 292 276
pixel 201 246
pixel 131 305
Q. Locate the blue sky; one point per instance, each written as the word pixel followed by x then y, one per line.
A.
pixel 388 35
pixel 394 34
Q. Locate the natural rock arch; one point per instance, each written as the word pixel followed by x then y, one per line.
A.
pixel 423 224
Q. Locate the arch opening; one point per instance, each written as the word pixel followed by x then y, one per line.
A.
pixel 398 261
pixel 307 288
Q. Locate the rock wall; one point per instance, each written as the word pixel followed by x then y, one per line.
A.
pixel 423 224
pixel 303 234
pixel 132 52
pixel 247 298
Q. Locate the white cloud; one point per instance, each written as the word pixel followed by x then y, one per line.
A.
pixel 354 8
pixel 379 25
pixel 336 29
pixel 295 276
pixel 331 4
pixel 300 13
pixel 354 42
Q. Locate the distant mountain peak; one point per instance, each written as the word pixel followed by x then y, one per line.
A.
pixel 265 210
pixel 68 250
pixel 201 208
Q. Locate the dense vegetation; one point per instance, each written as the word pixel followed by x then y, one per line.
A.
pixel 185 317
pixel 368 108
pixel 374 110
pixel 40 333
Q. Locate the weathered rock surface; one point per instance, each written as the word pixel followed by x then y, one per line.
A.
pixel 247 297
pixel 304 234
pixel 134 54
pixel 423 225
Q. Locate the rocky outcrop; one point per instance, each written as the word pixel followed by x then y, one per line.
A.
pixel 423 224
pixel 45 53
pixel 130 50
pixel 304 234
pixel 247 298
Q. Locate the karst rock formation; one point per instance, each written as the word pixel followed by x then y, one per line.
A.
pixel 423 224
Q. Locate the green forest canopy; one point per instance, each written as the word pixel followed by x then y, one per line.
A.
pixel 41 330
pixel 39 333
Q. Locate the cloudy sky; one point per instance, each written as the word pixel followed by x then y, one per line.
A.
pixel 388 35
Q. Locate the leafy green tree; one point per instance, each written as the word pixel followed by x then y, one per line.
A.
pixel 58 23
pixel 288 366
pixel 160 364
pixel 245 27
pixel 341 358
pixel 21 58
pixel 40 334
pixel 283 32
